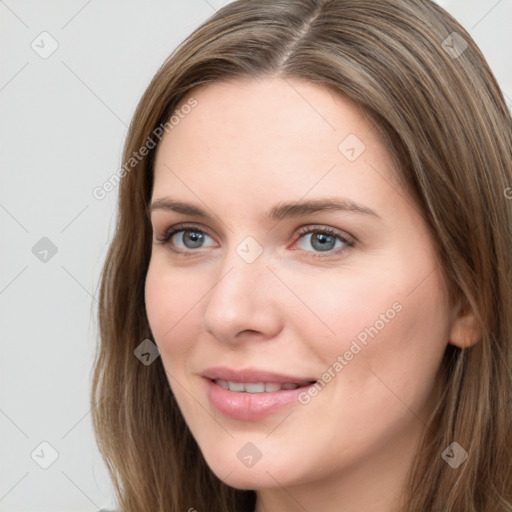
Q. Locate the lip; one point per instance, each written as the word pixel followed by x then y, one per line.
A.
pixel 251 406
pixel 252 375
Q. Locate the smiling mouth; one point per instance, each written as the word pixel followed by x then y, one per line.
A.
pixel 259 387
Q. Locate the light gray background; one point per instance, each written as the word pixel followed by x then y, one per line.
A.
pixel 63 123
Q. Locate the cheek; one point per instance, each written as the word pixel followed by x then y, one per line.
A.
pixel 158 301
pixel 343 307
pixel 388 331
pixel 170 307
pixel 398 340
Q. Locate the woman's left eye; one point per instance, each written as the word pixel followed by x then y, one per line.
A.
pixel 323 239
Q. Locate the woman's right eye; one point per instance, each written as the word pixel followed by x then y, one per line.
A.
pixel 189 236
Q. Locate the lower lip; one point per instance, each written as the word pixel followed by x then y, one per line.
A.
pixel 250 406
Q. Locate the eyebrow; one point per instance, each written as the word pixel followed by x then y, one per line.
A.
pixel 278 212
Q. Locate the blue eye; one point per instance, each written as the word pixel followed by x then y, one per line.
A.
pixel 191 237
pixel 323 239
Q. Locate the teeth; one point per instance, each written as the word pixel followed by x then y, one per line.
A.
pixel 255 387
pixel 222 383
pixel 236 386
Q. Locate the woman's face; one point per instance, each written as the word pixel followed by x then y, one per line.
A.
pixel 361 309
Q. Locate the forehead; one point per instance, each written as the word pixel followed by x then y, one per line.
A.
pixel 274 119
pixel 274 139
pixel 271 110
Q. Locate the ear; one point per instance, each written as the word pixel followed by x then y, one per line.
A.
pixel 465 330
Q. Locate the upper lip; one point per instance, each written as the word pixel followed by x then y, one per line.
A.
pixel 251 375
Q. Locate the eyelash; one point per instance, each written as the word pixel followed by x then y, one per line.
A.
pixel 167 235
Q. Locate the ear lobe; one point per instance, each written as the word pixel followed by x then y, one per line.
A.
pixel 465 330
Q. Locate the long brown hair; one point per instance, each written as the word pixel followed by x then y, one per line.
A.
pixel 421 79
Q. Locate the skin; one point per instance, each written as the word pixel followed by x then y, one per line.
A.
pixel 245 147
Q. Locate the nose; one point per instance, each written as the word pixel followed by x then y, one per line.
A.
pixel 243 302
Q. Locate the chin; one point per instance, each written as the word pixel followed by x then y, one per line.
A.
pixel 238 476
pixel 248 481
